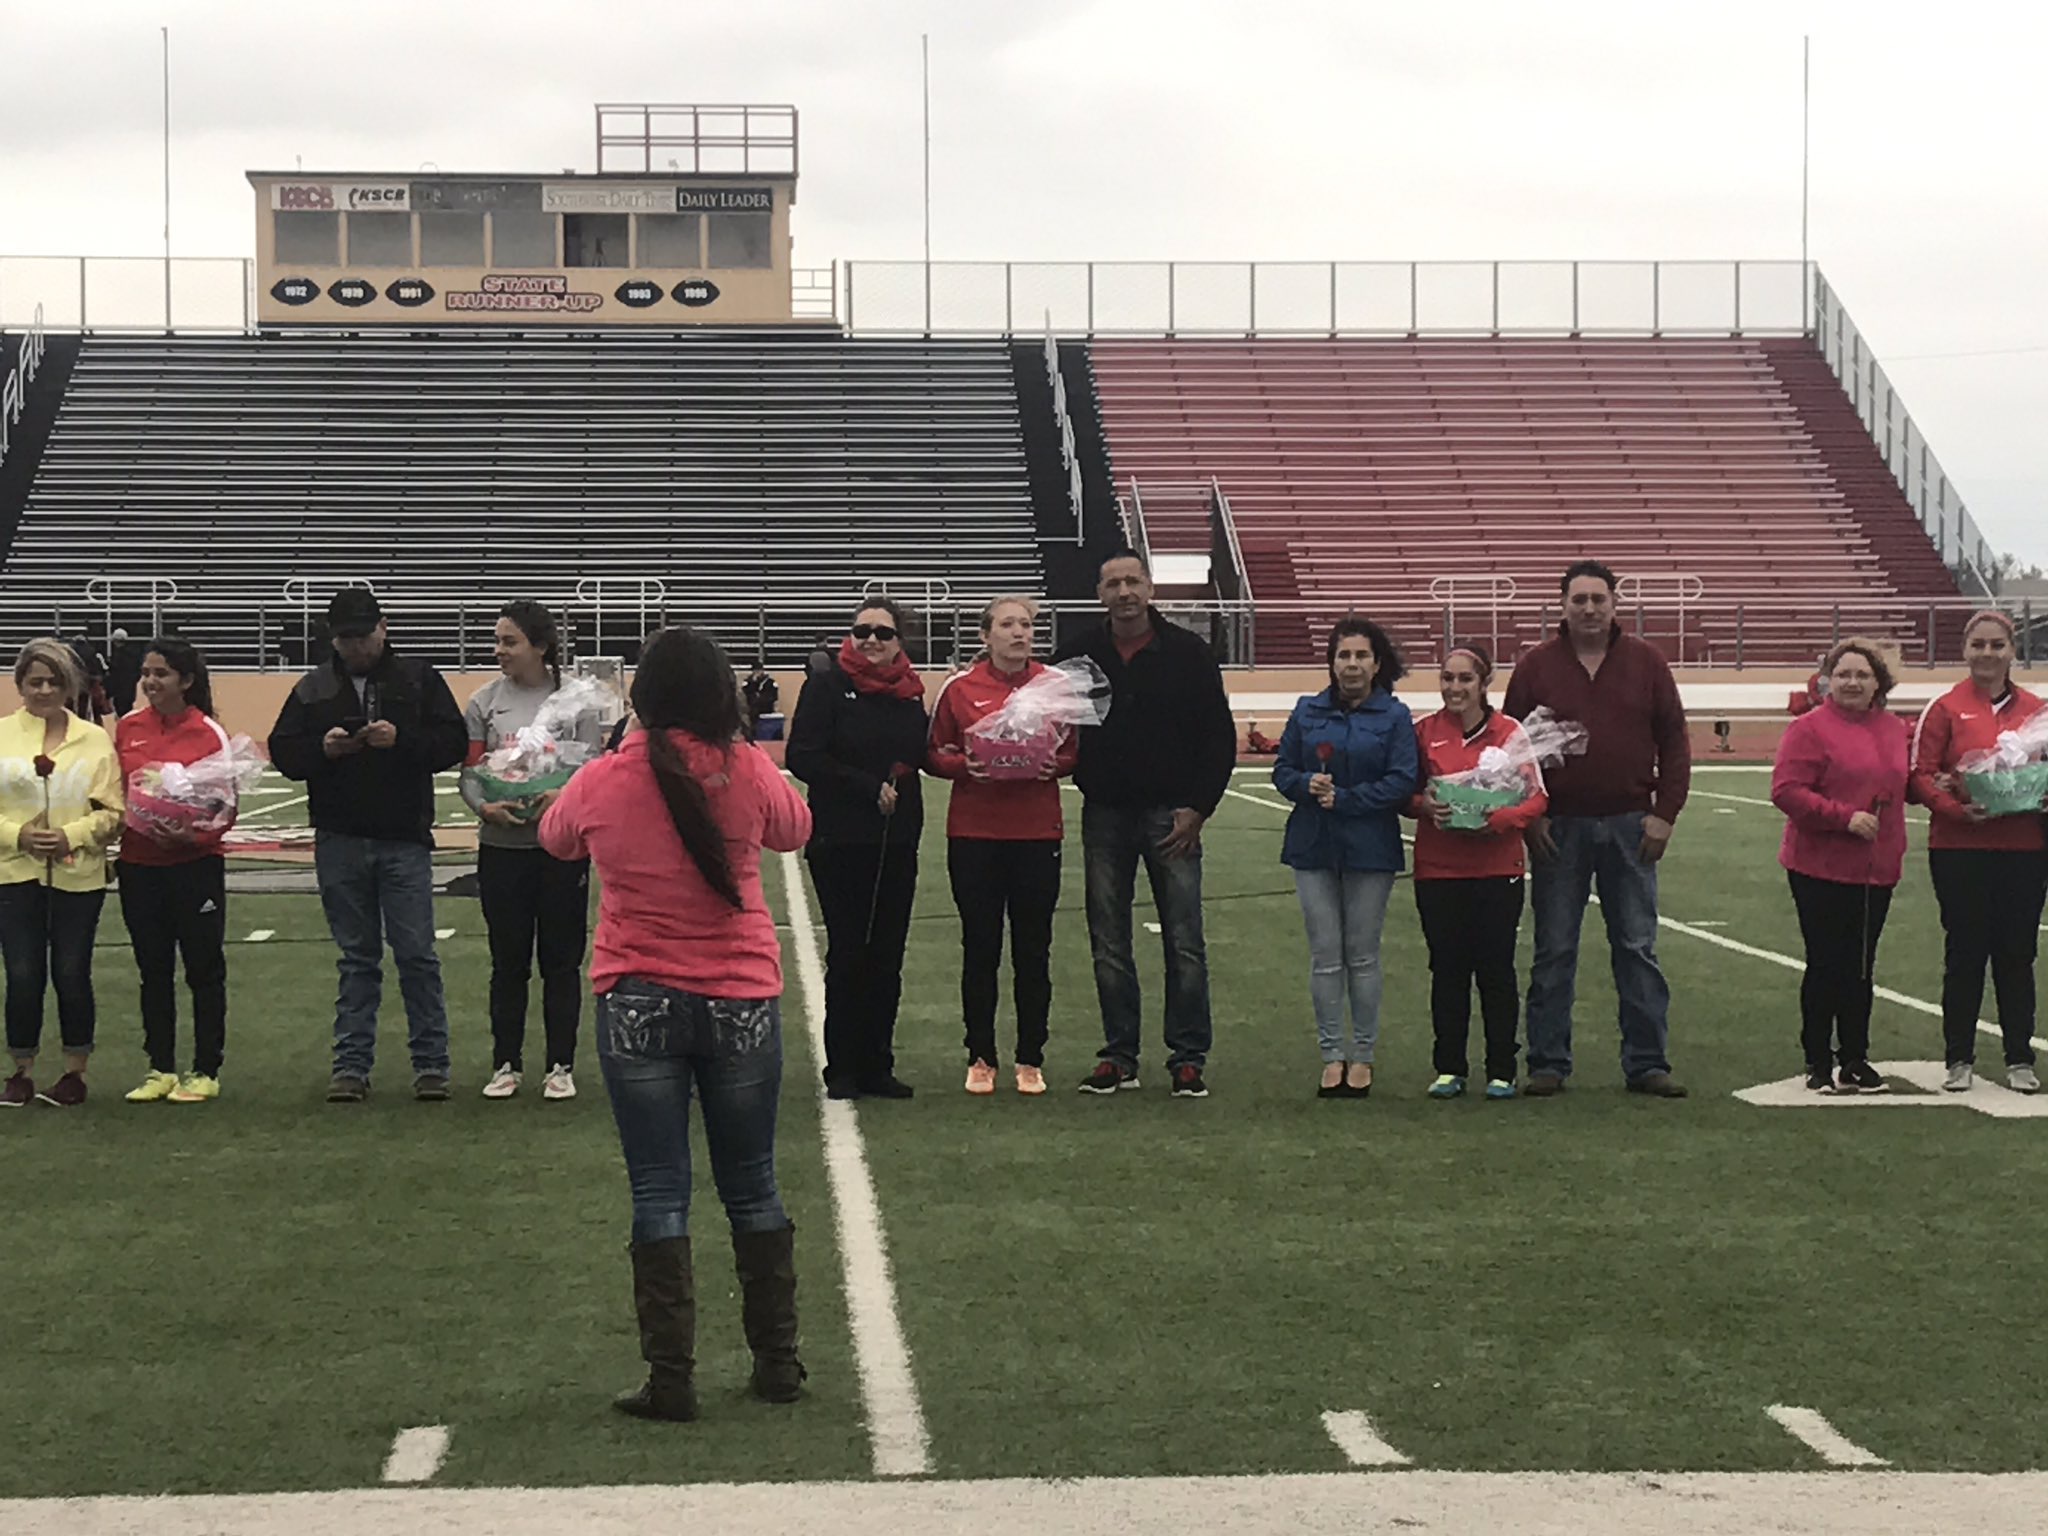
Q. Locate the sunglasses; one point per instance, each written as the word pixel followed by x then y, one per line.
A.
pixel 873 632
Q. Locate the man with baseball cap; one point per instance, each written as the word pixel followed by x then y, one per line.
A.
pixel 367 733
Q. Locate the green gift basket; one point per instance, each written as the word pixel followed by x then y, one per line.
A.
pixel 1470 804
pixel 520 790
pixel 2008 791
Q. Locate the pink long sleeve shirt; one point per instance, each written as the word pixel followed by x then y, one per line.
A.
pixel 657 919
pixel 1832 763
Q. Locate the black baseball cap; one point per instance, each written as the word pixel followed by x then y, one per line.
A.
pixel 353 612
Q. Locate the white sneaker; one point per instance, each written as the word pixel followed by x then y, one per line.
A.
pixel 503 1084
pixel 2021 1078
pixel 1960 1076
pixel 561 1084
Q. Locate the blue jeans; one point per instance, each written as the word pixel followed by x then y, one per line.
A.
pixel 373 889
pixel 1113 842
pixel 653 1044
pixel 1597 851
pixel 1345 911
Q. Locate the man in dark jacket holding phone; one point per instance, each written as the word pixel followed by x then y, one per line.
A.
pixel 1150 776
pixel 366 734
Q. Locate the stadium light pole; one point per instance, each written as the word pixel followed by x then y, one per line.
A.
pixel 167 178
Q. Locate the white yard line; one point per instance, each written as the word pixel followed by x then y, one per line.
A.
pixel 1360 1441
pixel 416 1454
pixel 896 1425
pixel 282 805
pixel 1822 1438
pixel 1322 1504
pixel 1271 805
pixel 1708 794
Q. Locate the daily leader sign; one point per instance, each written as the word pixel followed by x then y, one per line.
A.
pixel 341 196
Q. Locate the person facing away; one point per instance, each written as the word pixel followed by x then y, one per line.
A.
pixel 1347 761
pixel 1150 776
pixel 761 695
pixel 1841 778
pixel 174 892
pixel 1990 872
pixel 366 734
pixel 533 903
pixel 1003 839
pixel 687 970
pixel 1609 822
pixel 124 671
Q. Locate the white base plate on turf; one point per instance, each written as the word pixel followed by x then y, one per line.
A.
pixel 1914 1085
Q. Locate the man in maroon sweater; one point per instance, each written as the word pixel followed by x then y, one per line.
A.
pixel 1610 820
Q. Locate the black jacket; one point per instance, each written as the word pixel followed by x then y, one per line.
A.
pixel 1170 739
pixel 842 744
pixel 387 793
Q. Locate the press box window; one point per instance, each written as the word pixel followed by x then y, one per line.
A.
pixel 594 240
pixel 306 239
pixel 522 239
pixel 671 240
pixel 380 239
pixel 451 239
pixel 739 239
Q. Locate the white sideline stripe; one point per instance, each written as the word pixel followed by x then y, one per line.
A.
pixel 1708 794
pixel 281 805
pixel 902 1445
pixel 416 1454
pixel 1360 1442
pixel 258 935
pixel 444 933
pixel 1271 805
pixel 1822 1438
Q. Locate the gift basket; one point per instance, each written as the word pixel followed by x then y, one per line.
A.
pixel 191 802
pixel 545 754
pixel 1504 775
pixel 1021 739
pixel 2011 778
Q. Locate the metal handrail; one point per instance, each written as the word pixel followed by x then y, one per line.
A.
pixel 1132 510
pixel 21 373
pixel 1070 457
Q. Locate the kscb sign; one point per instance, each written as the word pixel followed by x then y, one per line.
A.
pixel 348 196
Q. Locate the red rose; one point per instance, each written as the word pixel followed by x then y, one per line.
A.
pixel 45 766
pixel 1324 752
pixel 897 771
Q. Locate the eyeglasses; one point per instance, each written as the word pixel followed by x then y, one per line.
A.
pixel 873 632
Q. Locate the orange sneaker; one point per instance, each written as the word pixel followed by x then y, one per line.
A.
pixel 981 1078
pixel 1030 1080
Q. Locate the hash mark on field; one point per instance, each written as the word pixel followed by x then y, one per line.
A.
pixel 1154 928
pixel 258 935
pixel 1822 1438
pixel 1360 1442
pixel 444 933
pixel 902 1445
pixel 416 1454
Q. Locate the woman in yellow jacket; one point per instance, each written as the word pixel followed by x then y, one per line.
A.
pixel 60 806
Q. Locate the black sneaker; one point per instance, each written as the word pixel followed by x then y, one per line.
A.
pixel 347 1088
pixel 841 1088
pixel 1821 1080
pixel 1109 1077
pixel 430 1088
pixel 1188 1084
pixel 890 1087
pixel 1861 1077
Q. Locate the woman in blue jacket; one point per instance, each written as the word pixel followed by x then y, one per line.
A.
pixel 1348 762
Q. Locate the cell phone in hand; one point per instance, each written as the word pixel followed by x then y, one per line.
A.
pixel 355 725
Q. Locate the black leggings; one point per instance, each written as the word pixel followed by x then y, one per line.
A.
pixel 533 900
pixel 1840 924
pixel 992 879
pixel 1470 926
pixel 1990 903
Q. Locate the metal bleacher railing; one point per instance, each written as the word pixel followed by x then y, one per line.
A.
pixel 20 374
pixel 1070 458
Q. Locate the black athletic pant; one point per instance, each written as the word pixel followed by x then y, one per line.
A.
pixel 1840 924
pixel 175 909
pixel 863 963
pixel 1990 913
pixel 1021 881
pixel 532 900
pixel 1470 926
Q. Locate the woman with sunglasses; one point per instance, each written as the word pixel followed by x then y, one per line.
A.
pixel 858 742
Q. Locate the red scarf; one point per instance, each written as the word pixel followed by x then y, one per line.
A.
pixel 897 678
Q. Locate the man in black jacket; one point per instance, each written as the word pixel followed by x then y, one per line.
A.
pixel 1149 777
pixel 367 733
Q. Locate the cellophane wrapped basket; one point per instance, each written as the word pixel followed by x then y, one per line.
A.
pixel 2011 778
pixel 1504 777
pixel 190 802
pixel 546 754
pixel 1021 739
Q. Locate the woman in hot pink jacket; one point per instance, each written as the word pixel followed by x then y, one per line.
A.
pixel 1841 779
pixel 688 973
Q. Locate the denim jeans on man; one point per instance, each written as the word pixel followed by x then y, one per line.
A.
pixel 373 889
pixel 1345 911
pixel 653 1044
pixel 1597 852
pixel 1114 839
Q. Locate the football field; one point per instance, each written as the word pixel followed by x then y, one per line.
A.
pixel 1213 1306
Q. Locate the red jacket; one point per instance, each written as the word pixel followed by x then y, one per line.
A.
pixel 1012 811
pixel 143 737
pixel 1638 757
pixel 656 918
pixel 1442 854
pixel 1833 763
pixel 1952 726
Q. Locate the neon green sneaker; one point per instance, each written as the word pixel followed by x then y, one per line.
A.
pixel 1447 1087
pixel 196 1090
pixel 158 1085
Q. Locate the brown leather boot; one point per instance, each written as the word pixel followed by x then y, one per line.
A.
pixel 766 1262
pixel 665 1299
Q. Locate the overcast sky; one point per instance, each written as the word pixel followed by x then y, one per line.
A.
pixel 1193 129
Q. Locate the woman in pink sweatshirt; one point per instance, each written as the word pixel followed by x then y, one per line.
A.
pixel 687 970
pixel 1841 780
